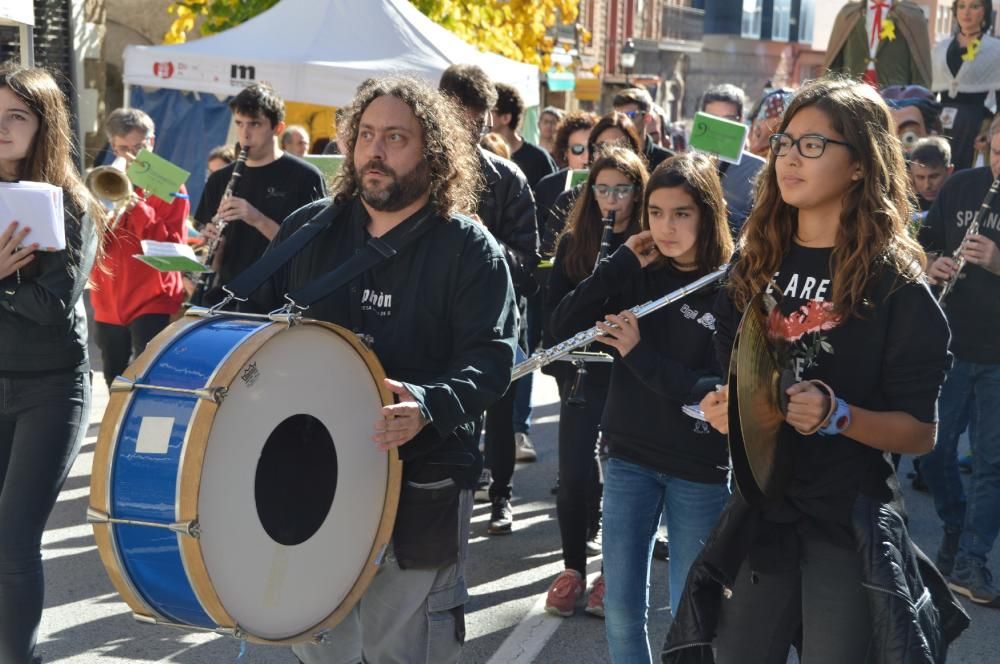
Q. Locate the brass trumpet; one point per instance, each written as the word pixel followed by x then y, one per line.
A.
pixel 112 188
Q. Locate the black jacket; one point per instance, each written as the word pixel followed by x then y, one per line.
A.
pixel 915 614
pixel 447 329
pixel 43 325
pixel 507 209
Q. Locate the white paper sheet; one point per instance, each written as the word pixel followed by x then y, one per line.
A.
pixel 37 205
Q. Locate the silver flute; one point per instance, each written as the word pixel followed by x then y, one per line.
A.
pixel 548 355
pixel 959 255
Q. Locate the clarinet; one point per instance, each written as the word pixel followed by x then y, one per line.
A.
pixel 959 256
pixel 207 277
pixel 575 397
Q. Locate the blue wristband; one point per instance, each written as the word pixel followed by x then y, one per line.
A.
pixel 839 421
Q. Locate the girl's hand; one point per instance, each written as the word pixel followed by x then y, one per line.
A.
pixel 643 247
pixel 808 406
pixel 621 332
pixel 715 406
pixel 13 259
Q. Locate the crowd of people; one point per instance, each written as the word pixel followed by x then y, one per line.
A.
pixel 848 211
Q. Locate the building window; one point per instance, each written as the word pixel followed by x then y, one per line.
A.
pixel 781 19
pixel 943 27
pixel 752 10
pixel 806 12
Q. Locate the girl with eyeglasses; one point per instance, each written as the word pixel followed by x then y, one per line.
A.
pixel 44 366
pixel 615 183
pixel 826 563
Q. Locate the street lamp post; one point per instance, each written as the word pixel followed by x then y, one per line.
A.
pixel 627 58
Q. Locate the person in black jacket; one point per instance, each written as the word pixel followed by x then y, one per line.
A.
pixel 507 209
pixel 616 183
pixel 825 558
pixel 638 106
pixel 660 459
pixel 44 366
pixel 440 316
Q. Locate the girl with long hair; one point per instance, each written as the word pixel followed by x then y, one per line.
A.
pixel 615 184
pixel 660 459
pixel 44 367
pixel 827 250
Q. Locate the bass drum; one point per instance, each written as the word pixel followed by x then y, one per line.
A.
pixel 236 487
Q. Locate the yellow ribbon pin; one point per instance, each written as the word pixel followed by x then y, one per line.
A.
pixel 972 50
pixel 888 30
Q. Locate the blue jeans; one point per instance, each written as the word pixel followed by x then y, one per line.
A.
pixel 42 423
pixel 970 398
pixel 634 496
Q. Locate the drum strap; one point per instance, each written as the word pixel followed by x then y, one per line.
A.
pixel 376 250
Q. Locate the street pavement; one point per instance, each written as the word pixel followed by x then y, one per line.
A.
pixel 85 622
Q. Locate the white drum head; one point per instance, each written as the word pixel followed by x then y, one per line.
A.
pixel 292 487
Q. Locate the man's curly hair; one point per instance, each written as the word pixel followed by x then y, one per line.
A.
pixel 452 162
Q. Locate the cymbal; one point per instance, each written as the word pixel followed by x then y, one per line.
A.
pixel 761 445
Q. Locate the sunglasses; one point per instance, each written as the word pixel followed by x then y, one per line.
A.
pixel 578 148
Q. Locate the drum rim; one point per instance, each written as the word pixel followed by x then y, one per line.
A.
pixel 189 484
pixel 104 452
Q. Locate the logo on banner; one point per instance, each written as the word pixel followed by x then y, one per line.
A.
pixel 242 73
pixel 163 69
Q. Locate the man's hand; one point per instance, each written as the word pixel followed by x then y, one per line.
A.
pixel 715 406
pixel 210 231
pixel 941 270
pixel 982 251
pixel 402 421
pixel 621 332
pixel 235 208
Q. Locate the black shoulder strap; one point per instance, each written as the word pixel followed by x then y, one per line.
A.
pixel 376 250
pixel 252 278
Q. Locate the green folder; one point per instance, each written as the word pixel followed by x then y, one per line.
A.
pixel 723 138
pixel 156 175
pixel 328 164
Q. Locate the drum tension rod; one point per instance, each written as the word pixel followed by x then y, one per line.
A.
pixel 215 394
pixel 235 632
pixel 189 528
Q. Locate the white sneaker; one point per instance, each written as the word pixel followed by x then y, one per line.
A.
pixel 524 450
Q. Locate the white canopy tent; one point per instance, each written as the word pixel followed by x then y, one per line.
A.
pixel 319 51
pixel 21 14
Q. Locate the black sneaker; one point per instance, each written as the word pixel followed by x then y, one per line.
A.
pixel 661 548
pixel 973 580
pixel 501 517
pixel 945 559
pixel 482 493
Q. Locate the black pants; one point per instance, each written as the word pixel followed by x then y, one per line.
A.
pixel 580 484
pixel 824 599
pixel 120 344
pixel 42 421
pixel 499 444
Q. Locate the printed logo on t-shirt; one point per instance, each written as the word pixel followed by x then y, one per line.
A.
pixel 376 302
pixel 990 220
pixel 274 192
pixel 799 336
pixel 707 320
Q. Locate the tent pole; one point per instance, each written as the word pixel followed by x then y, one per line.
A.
pixel 127 94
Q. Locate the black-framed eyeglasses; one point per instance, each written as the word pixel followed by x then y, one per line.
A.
pixel 617 191
pixel 578 148
pixel 811 146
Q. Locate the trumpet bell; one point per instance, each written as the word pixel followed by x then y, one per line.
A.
pixel 109 183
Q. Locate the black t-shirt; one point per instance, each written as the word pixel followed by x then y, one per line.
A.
pixel 534 161
pixel 973 305
pixel 277 190
pixel 892 359
pixel 672 365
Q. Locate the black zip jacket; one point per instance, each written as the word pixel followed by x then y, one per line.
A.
pixel 446 330
pixel 507 209
pixel 672 365
pixel 43 324
pixel 915 615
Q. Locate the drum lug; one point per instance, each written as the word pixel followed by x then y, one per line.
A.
pixel 189 528
pixel 214 394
